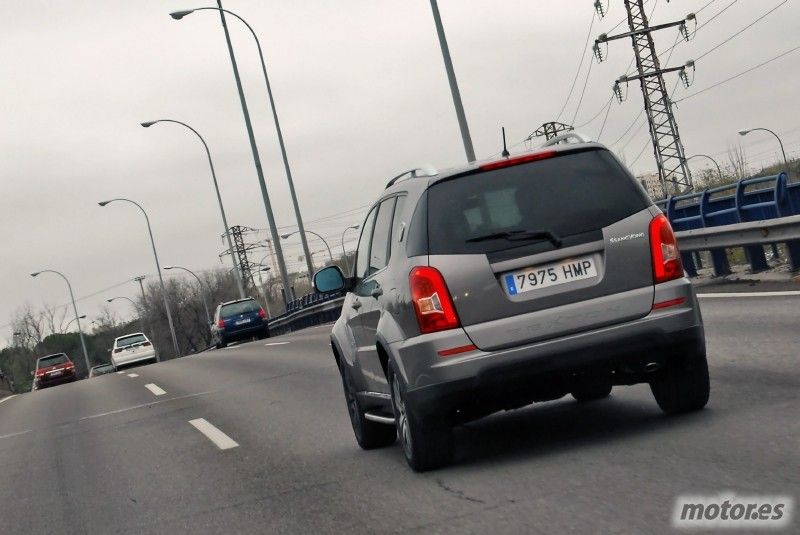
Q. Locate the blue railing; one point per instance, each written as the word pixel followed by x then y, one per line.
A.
pixel 751 199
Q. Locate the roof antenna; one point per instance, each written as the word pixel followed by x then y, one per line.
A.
pixel 506 154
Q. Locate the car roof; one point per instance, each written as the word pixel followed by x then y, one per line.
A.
pixel 51 355
pixel 425 181
pixel 128 336
pixel 237 301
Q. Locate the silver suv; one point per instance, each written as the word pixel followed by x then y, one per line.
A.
pixel 507 282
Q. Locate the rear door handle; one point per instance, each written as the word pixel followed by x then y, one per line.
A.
pixel 356 304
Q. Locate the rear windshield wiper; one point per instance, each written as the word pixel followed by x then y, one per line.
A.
pixel 520 235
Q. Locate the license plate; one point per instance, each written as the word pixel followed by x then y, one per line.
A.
pixel 55 373
pixel 242 322
pixel 547 275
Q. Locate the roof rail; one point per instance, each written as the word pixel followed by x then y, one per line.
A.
pixel 413 173
pixel 568 137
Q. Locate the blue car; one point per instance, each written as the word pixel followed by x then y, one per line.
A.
pixel 239 320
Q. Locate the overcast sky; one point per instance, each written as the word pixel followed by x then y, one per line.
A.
pixel 361 93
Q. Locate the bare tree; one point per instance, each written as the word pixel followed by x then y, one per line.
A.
pixel 738 161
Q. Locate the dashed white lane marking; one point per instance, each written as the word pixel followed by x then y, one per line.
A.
pixel 277 344
pixel 155 389
pixel 751 294
pixel 133 375
pixel 119 373
pixel 15 434
pixel 220 439
pixel 7 398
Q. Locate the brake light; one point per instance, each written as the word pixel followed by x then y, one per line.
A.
pixel 40 372
pixel 118 350
pixel 664 252
pixel 261 313
pixel 221 323
pixel 432 301
pixel 146 344
pixel 508 162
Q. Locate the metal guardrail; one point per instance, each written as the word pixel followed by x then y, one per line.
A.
pixel 751 234
pixel 316 314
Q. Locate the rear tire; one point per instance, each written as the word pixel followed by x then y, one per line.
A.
pixel 222 343
pixel 683 386
pixel 428 444
pixel 369 435
pixel 592 392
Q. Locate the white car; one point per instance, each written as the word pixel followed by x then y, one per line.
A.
pixel 132 348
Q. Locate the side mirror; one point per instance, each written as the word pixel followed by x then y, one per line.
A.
pixel 329 280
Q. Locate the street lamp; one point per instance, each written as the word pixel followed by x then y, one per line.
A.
pixel 178 15
pixel 719 171
pixel 745 132
pixel 148 124
pixel 202 292
pixel 72 320
pixel 311 270
pixel 344 251
pixel 74 309
pixel 158 270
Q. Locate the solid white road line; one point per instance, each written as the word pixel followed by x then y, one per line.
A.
pixel 751 294
pixel 7 398
pixel 155 389
pixel 220 439
pixel 15 434
pixel 133 375
pixel 277 344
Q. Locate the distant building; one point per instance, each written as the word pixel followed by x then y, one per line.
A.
pixel 652 184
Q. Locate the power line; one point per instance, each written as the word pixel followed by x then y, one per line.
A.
pixel 746 71
pixel 730 38
pixel 580 66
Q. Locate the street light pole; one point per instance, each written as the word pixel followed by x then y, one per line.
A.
pixel 72 320
pixel 785 161
pixel 311 272
pixel 253 147
pixel 133 303
pixel 158 270
pixel 202 292
pixel 719 170
pixel 451 77
pixel 281 143
pixel 344 251
pixel 237 271
pixel 74 309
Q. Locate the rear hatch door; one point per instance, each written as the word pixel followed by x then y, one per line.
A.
pixel 542 249
pixel 241 316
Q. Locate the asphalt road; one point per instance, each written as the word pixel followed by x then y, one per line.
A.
pixel 114 455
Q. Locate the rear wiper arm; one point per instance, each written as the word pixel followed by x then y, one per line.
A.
pixel 520 235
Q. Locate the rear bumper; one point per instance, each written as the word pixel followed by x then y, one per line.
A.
pixel 56 381
pixel 124 360
pixel 249 332
pixel 484 382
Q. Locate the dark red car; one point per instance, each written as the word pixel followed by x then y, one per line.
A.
pixel 53 370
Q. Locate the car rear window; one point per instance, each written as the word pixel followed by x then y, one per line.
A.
pixel 566 195
pixel 242 307
pixel 52 360
pixel 131 340
pixel 105 368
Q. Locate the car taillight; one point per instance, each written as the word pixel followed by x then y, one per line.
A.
pixel 146 344
pixel 39 372
pixel 667 264
pixel 432 301
pixel 221 323
pixel 261 313
pixel 118 350
pixel 518 160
